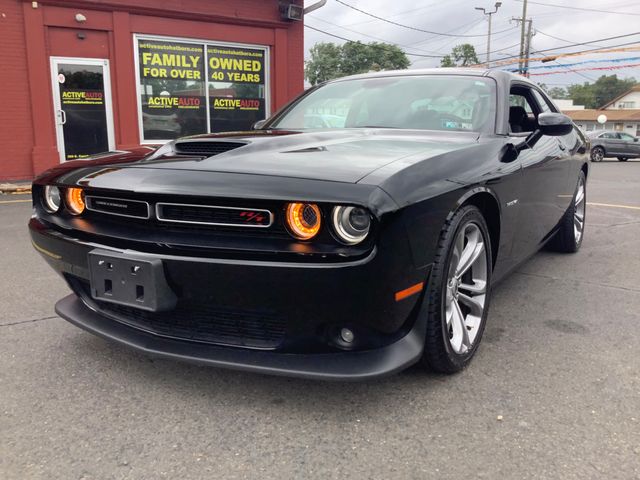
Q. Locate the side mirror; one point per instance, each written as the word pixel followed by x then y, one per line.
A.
pixel 635 139
pixel 258 125
pixel 554 124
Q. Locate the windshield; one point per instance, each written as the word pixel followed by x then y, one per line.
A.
pixel 436 102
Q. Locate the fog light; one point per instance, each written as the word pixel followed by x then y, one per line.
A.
pixel 346 335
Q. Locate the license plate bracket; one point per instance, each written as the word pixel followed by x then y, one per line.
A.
pixel 130 280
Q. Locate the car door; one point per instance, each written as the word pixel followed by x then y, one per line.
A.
pixel 605 140
pixel 545 167
pixel 630 147
pixel 614 143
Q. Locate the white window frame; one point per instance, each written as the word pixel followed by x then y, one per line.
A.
pixel 204 43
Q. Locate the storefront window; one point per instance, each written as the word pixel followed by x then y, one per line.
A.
pixel 236 87
pixel 182 92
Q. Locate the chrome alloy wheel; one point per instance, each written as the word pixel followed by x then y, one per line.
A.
pixel 466 288
pixel 578 211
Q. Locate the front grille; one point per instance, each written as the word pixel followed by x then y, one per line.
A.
pixel 214 215
pixel 205 148
pixel 197 322
pixel 118 206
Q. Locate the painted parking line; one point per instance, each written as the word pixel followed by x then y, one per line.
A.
pixel 2 202
pixel 611 205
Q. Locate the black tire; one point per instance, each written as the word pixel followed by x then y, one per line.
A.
pixel 622 159
pixel 597 154
pixel 565 239
pixel 438 354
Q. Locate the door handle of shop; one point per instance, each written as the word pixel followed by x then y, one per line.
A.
pixel 63 117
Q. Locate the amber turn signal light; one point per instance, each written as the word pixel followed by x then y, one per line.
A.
pixel 303 220
pixel 75 200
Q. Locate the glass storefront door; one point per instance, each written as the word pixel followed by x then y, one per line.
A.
pixel 82 103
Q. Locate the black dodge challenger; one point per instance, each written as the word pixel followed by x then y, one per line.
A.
pixel 356 232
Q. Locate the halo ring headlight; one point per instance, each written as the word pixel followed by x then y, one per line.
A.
pixel 351 224
pixel 52 199
pixel 303 220
pixel 75 200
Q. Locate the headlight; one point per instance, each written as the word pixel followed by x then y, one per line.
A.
pixel 303 220
pixel 75 200
pixel 52 198
pixel 351 224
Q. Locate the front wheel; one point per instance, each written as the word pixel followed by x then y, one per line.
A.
pixel 597 154
pixel 571 231
pixel 459 292
pixel 622 159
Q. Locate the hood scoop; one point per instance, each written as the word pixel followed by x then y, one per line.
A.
pixel 205 148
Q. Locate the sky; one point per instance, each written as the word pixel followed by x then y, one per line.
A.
pixel 459 17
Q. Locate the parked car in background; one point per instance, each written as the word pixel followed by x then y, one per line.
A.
pixel 613 144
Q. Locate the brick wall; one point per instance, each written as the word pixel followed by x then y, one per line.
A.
pixel 16 128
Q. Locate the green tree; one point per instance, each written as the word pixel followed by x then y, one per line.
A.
pixel 558 92
pixel 461 56
pixel 329 60
pixel 601 92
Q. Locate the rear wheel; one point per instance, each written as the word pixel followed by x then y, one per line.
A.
pixel 571 231
pixel 597 154
pixel 459 292
pixel 622 159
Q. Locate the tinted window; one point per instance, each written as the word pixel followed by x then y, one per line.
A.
pixel 609 135
pixel 435 102
pixel 627 137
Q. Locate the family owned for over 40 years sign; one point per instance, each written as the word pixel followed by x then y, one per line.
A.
pixel 179 82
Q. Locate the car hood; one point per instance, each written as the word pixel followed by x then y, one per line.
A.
pixel 337 155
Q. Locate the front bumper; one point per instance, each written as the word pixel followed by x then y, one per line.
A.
pixel 323 366
pixel 313 300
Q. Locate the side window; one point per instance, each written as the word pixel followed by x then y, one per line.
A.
pixel 626 137
pixel 516 100
pixel 545 106
pixel 609 135
pixel 522 111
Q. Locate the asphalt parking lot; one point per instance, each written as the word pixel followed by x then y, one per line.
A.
pixel 554 392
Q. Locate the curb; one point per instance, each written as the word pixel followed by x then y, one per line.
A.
pixel 15 188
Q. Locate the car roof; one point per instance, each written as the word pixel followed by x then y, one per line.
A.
pixel 499 75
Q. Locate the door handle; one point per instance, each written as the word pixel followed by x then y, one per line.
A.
pixel 561 145
pixel 63 117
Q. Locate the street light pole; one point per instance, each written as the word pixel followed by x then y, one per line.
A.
pixel 484 11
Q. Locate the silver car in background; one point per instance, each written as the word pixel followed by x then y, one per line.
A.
pixel 605 143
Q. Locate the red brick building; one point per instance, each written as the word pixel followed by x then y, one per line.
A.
pixel 80 77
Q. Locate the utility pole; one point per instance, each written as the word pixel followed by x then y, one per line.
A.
pixel 484 11
pixel 527 52
pixel 524 17
pixel 525 48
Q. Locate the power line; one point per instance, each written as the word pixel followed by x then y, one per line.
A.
pixel 355 41
pixel 588 43
pixel 577 8
pixel 374 37
pixel 406 53
pixel 564 40
pixel 408 26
